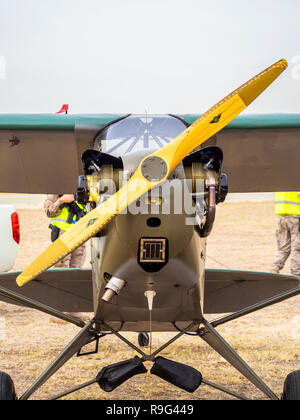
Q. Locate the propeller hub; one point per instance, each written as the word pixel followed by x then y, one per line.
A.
pixel 154 168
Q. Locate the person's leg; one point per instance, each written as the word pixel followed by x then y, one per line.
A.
pixel 77 259
pixel 283 238
pixel 295 245
pixel 65 262
pixel 74 260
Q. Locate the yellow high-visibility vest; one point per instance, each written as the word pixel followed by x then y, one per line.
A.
pixel 61 220
pixel 287 203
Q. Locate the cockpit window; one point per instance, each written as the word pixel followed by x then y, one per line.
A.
pixel 139 132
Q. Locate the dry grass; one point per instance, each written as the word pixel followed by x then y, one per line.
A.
pixel 243 238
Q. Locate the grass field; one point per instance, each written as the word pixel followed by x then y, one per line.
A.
pixel 243 238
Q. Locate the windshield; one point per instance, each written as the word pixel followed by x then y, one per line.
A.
pixel 139 132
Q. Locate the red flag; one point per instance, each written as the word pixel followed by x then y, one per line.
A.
pixel 64 109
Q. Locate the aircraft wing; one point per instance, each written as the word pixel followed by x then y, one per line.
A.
pixel 70 290
pixel 261 152
pixel 233 290
pixel 41 154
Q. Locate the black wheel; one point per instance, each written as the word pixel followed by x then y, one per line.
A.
pixel 291 388
pixel 143 339
pixel 7 388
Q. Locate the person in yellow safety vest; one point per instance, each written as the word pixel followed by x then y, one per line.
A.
pixel 287 208
pixel 64 212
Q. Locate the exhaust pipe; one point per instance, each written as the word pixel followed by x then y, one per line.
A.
pixel 113 287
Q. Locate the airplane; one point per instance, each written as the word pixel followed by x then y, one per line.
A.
pixel 148 259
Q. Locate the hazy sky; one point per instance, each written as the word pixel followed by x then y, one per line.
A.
pixel 123 56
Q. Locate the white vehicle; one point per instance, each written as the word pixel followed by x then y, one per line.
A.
pixel 9 237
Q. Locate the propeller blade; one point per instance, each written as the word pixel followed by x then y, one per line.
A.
pixel 154 170
pixel 87 227
pixel 219 115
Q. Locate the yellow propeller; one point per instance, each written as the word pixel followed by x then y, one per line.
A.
pixel 154 170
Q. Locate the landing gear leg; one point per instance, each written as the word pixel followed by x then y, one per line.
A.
pixel 82 338
pixel 211 337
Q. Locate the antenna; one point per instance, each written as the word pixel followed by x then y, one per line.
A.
pixel 150 295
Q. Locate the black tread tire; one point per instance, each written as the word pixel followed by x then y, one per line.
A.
pixel 291 388
pixel 143 339
pixel 7 388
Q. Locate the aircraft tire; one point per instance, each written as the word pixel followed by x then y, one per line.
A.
pixel 143 339
pixel 291 388
pixel 7 388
